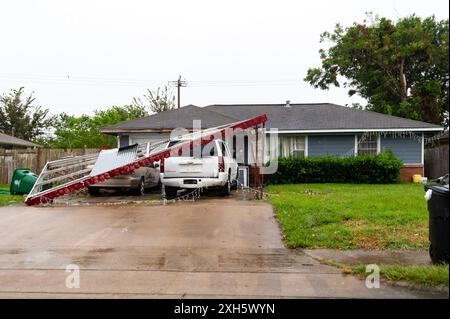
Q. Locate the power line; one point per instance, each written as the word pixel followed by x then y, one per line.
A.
pixel 77 80
pixel 104 81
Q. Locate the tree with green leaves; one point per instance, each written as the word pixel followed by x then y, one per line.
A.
pixel 19 116
pixel 156 101
pixel 400 68
pixel 83 131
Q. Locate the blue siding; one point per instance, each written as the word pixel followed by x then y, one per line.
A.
pixel 407 149
pixel 124 141
pixel 333 145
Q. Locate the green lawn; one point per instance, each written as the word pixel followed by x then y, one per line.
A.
pixel 432 275
pixel 348 216
pixel 9 199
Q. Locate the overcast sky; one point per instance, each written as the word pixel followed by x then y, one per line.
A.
pixel 78 56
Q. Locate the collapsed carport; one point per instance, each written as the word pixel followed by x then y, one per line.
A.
pixel 69 175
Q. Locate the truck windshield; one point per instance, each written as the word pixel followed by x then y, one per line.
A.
pixel 209 149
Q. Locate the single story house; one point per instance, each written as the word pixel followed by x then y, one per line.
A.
pixel 303 130
pixel 10 142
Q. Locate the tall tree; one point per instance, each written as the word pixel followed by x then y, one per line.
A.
pixel 83 131
pixel 20 118
pixel 400 68
pixel 159 100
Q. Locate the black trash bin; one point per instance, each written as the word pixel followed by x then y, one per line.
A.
pixel 438 222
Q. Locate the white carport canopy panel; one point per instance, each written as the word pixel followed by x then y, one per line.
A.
pixel 111 159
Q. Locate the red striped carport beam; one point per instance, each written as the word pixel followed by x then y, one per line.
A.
pixel 46 196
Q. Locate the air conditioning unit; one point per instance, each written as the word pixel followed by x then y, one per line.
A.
pixel 243 176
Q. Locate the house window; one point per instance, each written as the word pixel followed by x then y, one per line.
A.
pixel 367 144
pixel 293 145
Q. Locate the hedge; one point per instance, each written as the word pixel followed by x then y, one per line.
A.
pixel 363 169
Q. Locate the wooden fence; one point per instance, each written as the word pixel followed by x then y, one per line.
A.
pixel 33 159
pixel 436 161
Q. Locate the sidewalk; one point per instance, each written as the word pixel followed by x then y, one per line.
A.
pixel 365 257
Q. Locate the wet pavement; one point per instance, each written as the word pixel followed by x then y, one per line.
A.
pixel 151 197
pixel 214 247
pixel 109 198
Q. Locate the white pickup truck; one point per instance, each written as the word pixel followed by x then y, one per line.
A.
pixel 209 166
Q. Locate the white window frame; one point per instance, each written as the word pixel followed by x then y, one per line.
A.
pixel 293 148
pixel 378 149
pixel 294 145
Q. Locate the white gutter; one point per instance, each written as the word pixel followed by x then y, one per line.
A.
pixel 429 129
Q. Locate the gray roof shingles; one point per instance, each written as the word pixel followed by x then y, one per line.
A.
pixel 177 118
pixel 323 116
pixel 319 116
pixel 14 141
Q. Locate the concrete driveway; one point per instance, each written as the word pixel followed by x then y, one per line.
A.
pixel 209 248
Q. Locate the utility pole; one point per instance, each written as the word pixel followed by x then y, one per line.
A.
pixel 179 83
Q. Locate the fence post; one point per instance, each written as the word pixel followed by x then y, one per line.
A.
pixel 38 161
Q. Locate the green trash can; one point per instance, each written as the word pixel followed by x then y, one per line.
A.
pixel 22 181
